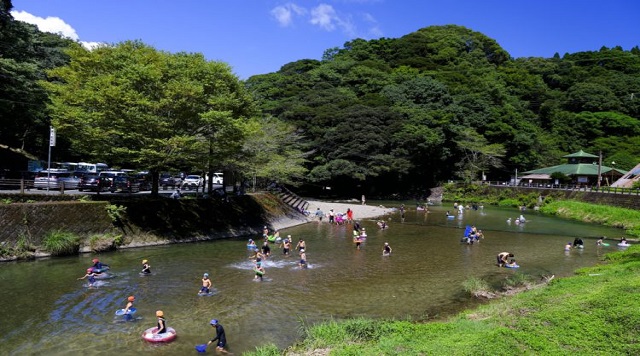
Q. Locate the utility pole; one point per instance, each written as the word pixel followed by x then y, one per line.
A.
pixel 599 168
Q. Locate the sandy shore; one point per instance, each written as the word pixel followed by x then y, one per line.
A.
pixel 359 212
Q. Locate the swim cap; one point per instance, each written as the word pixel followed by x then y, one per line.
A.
pixel 131 298
pixel 144 261
pixel 214 322
pixel 159 313
pixel 89 269
pixel 386 243
pixel 94 260
pixel 206 274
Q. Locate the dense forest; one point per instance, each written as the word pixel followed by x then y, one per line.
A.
pixel 384 116
pixel 446 102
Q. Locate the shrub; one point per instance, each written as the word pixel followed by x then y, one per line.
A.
pixel 509 203
pixel 116 212
pixel 476 286
pixel 517 280
pixel 61 243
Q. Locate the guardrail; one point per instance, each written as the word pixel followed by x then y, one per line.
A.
pixel 20 184
pixel 574 187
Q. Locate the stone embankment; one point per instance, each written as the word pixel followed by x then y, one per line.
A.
pixel 150 222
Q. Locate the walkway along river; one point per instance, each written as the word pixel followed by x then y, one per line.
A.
pixel 47 310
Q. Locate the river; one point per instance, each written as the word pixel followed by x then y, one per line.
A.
pixel 47 310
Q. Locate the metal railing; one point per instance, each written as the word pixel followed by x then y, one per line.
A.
pixel 573 187
pixel 17 184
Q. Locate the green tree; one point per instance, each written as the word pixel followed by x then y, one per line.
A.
pixel 479 155
pixel 131 105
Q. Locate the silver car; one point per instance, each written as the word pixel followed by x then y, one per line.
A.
pixel 55 178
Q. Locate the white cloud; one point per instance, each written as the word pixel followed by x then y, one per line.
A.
pixel 284 13
pixel 48 24
pixel 53 25
pixel 327 18
pixel 324 16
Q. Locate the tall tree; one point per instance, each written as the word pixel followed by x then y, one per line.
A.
pixel 132 105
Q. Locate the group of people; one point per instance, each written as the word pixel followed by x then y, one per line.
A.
pixel 161 326
pixel 503 260
pixel 259 255
pixel 472 234
pixel 98 269
pixel 335 218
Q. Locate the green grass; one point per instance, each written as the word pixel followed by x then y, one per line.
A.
pixel 592 313
pixel 60 243
pixel 627 219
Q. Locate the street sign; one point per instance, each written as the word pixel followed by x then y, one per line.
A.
pixel 52 137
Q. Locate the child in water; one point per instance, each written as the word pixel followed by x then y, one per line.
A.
pixel 130 301
pixel 303 259
pixel 146 268
pixel 161 327
pixel 91 275
pixel 127 309
pixel 206 284
pixel 386 251
pixel 259 270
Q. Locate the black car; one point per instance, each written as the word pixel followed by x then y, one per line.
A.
pixel 125 184
pixel 166 181
pixel 93 182
pixel 144 178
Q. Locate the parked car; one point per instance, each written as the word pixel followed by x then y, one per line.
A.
pixel 192 181
pixel 145 180
pixel 217 178
pixel 166 180
pixel 108 176
pixel 55 178
pixel 125 184
pixel 93 182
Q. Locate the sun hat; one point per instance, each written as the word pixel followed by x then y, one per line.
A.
pixel 214 322
pixel 159 313
pixel 144 261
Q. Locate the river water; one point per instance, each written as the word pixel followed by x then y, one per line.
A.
pixel 47 310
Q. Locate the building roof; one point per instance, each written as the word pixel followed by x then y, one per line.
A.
pixel 582 169
pixel 581 154
pixel 536 176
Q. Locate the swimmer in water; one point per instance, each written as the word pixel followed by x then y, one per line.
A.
pixel 206 284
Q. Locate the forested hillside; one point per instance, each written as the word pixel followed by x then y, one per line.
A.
pixel 446 102
pixel 373 117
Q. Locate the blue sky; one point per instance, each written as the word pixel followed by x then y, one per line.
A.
pixel 260 36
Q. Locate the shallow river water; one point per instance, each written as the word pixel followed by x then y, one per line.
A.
pixel 47 310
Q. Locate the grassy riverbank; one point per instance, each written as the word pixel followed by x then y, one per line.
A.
pixel 626 219
pixel 592 313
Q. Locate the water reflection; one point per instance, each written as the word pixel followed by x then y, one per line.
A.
pixel 48 310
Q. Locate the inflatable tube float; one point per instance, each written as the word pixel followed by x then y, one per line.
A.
pixel 271 238
pixel 623 244
pixel 100 270
pixel 451 217
pixel 121 311
pixel 252 247
pixel 278 240
pixel 604 244
pixel 258 272
pixel 103 276
pixel 168 336
pixel 579 246
pixel 512 266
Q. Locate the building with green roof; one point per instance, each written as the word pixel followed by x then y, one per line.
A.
pixel 581 168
